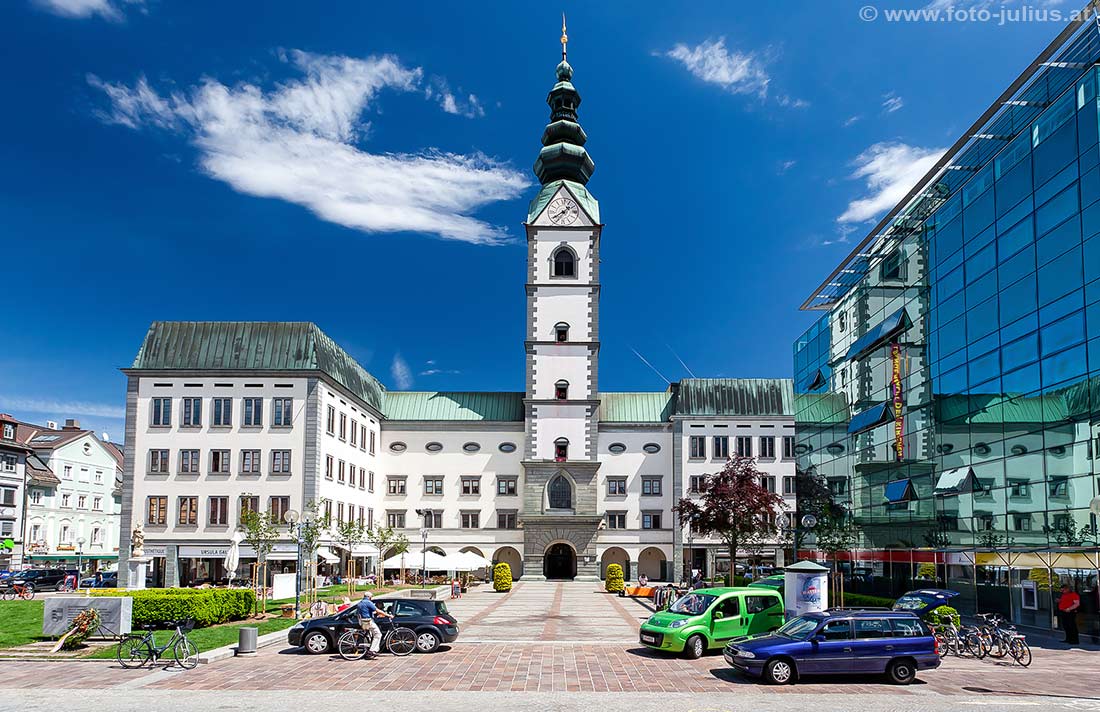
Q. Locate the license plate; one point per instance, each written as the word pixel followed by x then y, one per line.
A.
pixel 651 639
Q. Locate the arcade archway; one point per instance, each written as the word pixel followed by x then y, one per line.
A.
pixel 559 562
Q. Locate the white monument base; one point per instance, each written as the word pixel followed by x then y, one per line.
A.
pixel 135 572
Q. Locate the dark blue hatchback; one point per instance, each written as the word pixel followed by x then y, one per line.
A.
pixel 839 642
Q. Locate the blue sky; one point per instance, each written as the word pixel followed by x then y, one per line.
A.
pixel 367 167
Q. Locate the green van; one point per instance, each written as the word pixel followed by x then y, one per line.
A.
pixel 710 617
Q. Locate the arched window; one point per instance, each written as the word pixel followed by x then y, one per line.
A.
pixel 565 262
pixel 561 332
pixel 561 450
pixel 561 493
pixel 561 390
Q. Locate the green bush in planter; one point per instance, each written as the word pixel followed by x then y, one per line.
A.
pixel 613 579
pixel 161 606
pixel 502 577
pixel 943 615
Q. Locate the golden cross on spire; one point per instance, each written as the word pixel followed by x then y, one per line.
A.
pixel 564 37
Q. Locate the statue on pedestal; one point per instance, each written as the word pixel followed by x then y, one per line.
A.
pixel 137 541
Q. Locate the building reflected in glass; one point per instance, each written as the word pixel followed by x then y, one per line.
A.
pixel 950 392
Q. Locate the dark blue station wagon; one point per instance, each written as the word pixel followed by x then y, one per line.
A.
pixel 839 642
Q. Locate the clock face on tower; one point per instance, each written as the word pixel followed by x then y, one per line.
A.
pixel 563 211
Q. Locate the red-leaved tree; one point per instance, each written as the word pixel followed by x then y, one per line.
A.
pixel 735 507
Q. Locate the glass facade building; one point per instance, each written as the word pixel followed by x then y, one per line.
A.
pixel 950 391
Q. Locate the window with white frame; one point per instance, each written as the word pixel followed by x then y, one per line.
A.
pixel 329 462
pixel 363 437
pixel 697 447
pixel 616 486
pixel 156 510
pixel 471 486
pixel 67 472
pixel 219 462
pixel 97 504
pixel 471 520
pixel 188 513
pixel 721 444
pixel 82 501
pixel 66 500
pixel 343 432
pixel 651 520
pixel 280 462
pixel 330 420
pixel 506 486
pixel 354 433
pixel 221 412
pixel 616 520
pixel 7 496
pixel 789 486
pixel 370 480
pixel 278 507
pixel 651 486
pixel 161 413
pixel 189 462
pixel 97 536
pixel 506 519
pixel 395 485
pixel 36 496
pixel 788 447
pixel 433 485
pixel 282 412
pixel 192 412
pixel 253 413
pixel 395 519
pixel 767 447
pixel 250 462
pixel 371 448
pixel 158 461
pixel 218 511
pixel 341 476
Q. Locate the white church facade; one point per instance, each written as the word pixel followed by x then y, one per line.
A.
pixel 559 479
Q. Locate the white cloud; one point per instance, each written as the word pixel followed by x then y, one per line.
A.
pixel 736 72
pixel 82 9
pixel 402 374
pixel 299 143
pixel 851 120
pixel 892 102
pixel 890 170
pixel 786 166
pixel 791 102
pixel 60 408
pixel 470 107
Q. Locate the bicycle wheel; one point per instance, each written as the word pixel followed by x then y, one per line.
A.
pixel 941 644
pixel 353 645
pixel 972 642
pixel 401 641
pixel 185 653
pixel 27 594
pixel 8 594
pixel 952 639
pixel 1020 651
pixel 998 648
pixel 133 651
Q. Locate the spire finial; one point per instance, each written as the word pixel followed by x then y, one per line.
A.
pixel 564 37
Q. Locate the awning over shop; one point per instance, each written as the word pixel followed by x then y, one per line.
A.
pixel 364 550
pixel 327 556
pixel 900 491
pixel 65 557
pixel 282 556
pixel 897 322
pixel 872 417
pixel 956 481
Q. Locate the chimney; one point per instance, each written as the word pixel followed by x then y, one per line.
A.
pixel 105 437
pixel 71 424
pixel 51 425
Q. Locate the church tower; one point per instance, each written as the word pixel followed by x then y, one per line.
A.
pixel 563 228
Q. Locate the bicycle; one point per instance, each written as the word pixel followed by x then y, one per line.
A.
pixel 355 643
pixel 959 640
pixel 19 590
pixel 134 651
pixel 1000 640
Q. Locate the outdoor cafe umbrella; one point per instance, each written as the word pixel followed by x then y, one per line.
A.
pixel 469 561
pixel 429 560
pixel 233 556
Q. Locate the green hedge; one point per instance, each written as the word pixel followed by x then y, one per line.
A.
pixel 943 615
pixel 159 606
pixel 855 600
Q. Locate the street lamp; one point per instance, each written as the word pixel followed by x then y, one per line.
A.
pixel 292 517
pixel 424 513
pixel 79 560
pixel 691 549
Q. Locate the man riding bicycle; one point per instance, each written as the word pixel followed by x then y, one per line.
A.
pixel 367 613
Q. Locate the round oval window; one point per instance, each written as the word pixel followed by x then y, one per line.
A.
pixel 398 447
pixel 471 447
pixel 433 447
pixel 616 448
pixel 507 447
pixel 651 447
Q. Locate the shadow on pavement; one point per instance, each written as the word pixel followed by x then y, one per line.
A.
pixel 1017 693
pixel 733 676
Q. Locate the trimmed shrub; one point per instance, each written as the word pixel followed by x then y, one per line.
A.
pixel 613 580
pixel 943 615
pixel 160 606
pixel 502 577
pixel 855 600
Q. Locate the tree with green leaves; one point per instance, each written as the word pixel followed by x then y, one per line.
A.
pixel 735 507
pixel 349 534
pixel 261 530
pixel 384 539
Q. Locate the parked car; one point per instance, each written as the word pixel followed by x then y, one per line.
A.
pixel 839 642
pixel 924 600
pixel 772 581
pixel 41 579
pixel 710 617
pixel 429 619
pixel 109 579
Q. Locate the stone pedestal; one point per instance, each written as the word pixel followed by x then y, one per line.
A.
pixel 135 572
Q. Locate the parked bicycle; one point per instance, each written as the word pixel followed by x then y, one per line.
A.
pixel 959 640
pixel 1000 639
pixel 135 650
pixel 355 643
pixel 19 590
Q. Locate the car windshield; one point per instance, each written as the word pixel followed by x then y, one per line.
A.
pixel 911 603
pixel 800 628
pixel 692 604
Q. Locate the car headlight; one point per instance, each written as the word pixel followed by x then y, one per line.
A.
pixel 745 654
pixel 677 624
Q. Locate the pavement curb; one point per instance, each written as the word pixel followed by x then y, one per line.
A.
pixel 229 651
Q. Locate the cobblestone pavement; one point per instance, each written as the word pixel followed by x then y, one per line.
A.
pixel 554 642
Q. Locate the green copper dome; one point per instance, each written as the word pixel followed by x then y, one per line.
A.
pixel 563 156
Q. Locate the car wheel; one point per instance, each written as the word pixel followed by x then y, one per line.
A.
pixel 316 643
pixel 779 672
pixel 902 672
pixel 695 647
pixel 427 641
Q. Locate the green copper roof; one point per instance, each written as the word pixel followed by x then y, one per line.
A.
pixel 563 156
pixel 453 405
pixel 584 198
pixel 996 408
pixel 254 346
pixel 636 407
pixel 736 396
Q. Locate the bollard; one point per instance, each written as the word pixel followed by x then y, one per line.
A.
pixel 246 641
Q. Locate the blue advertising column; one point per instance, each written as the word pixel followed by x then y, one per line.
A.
pixel 805 588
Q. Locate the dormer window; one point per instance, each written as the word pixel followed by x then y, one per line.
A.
pixel 561 390
pixel 9 431
pixel 561 332
pixel 565 262
pixel 561 450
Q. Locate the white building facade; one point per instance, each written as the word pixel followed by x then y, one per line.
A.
pixel 558 480
pixel 13 478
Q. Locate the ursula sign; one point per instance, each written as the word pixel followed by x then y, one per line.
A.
pixel 898 403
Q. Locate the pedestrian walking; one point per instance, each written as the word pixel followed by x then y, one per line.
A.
pixel 1068 604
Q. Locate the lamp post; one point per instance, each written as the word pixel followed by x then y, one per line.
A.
pixel 79 560
pixel 424 513
pixel 691 549
pixel 292 518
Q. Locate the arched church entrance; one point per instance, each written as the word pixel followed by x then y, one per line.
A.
pixel 559 562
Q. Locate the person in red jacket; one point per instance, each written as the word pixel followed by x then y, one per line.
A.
pixel 1068 604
